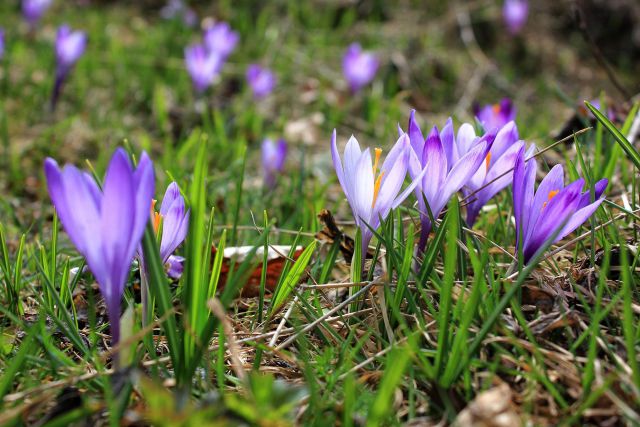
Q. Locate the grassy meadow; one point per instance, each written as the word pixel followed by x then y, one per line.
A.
pixel 274 320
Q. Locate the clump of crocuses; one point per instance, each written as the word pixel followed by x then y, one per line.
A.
pixel 261 80
pixel 372 188
pixel 449 163
pixel 105 225
pixel 515 13
pixel 70 45
pixel 359 67
pixel 33 10
pixel 545 216
pixel 274 155
pixel 203 66
pixel 495 116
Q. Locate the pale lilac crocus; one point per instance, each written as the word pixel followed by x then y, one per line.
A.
pixel 495 116
pixel 274 155
pixel 33 10
pixel 515 13
pixel 497 171
pixel 220 38
pixel 359 67
pixel 449 164
pixel 203 66
pixel 105 225
pixel 70 46
pixel 372 190
pixel 261 80
pixel 551 212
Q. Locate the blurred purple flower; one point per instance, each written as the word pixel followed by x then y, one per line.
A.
pixel 359 67
pixel 553 211
pixel 515 13
pixel 1 43
pixel 497 172
pixel 494 117
pixel 370 194
pixel 70 45
pixel 177 8
pixel 175 266
pixel 220 38
pixel 203 66
pixel 610 113
pixel 450 163
pixel 106 225
pixel 261 80
pixel 32 10
pixel 273 159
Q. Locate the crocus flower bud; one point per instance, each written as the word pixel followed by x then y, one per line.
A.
pixel 515 13
pixel 32 10
pixel 203 66
pixel 261 80
pixel 273 159
pixel 70 45
pixel 221 39
pixel 359 67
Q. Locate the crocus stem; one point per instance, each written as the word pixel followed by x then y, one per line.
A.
pixel 113 312
pixel 144 295
pixel 425 229
pixel 57 89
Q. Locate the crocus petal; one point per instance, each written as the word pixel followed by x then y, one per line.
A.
pixel 392 181
pixel 171 195
pixel 505 138
pixel 362 196
pixel 144 184
pixel 434 158
pixel 554 181
pixel 174 229
pixel 578 218
pixel 465 138
pixel 598 189
pixel 337 164
pixel 415 134
pixel 117 220
pixel 448 143
pixel 398 150
pixel 463 170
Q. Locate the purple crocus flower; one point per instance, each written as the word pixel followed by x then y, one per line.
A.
pixel 273 158
pixel 106 225
pixel 203 66
pixel 493 117
pixel 176 8
pixel 261 80
pixel 515 13
pixel 220 38
pixel 32 10
pixel 553 211
pixel 497 171
pixel 174 266
pixel 70 45
pixel 450 162
pixel 372 193
pixel 174 218
pixel 359 67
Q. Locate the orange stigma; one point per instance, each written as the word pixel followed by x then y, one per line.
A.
pixel 157 218
pixel 551 195
pixel 487 161
pixel 376 160
pixel 496 108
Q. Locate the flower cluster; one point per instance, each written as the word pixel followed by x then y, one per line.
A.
pixel 480 166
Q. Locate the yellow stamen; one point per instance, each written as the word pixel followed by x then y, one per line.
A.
pixel 487 161
pixel 551 195
pixel 376 188
pixel 496 108
pixel 378 152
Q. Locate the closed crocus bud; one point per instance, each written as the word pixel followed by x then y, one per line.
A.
pixel 359 67
pixel 203 66
pixel 261 80
pixel 32 10
pixel 273 159
pixel 220 38
pixel 70 45
pixel 515 13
